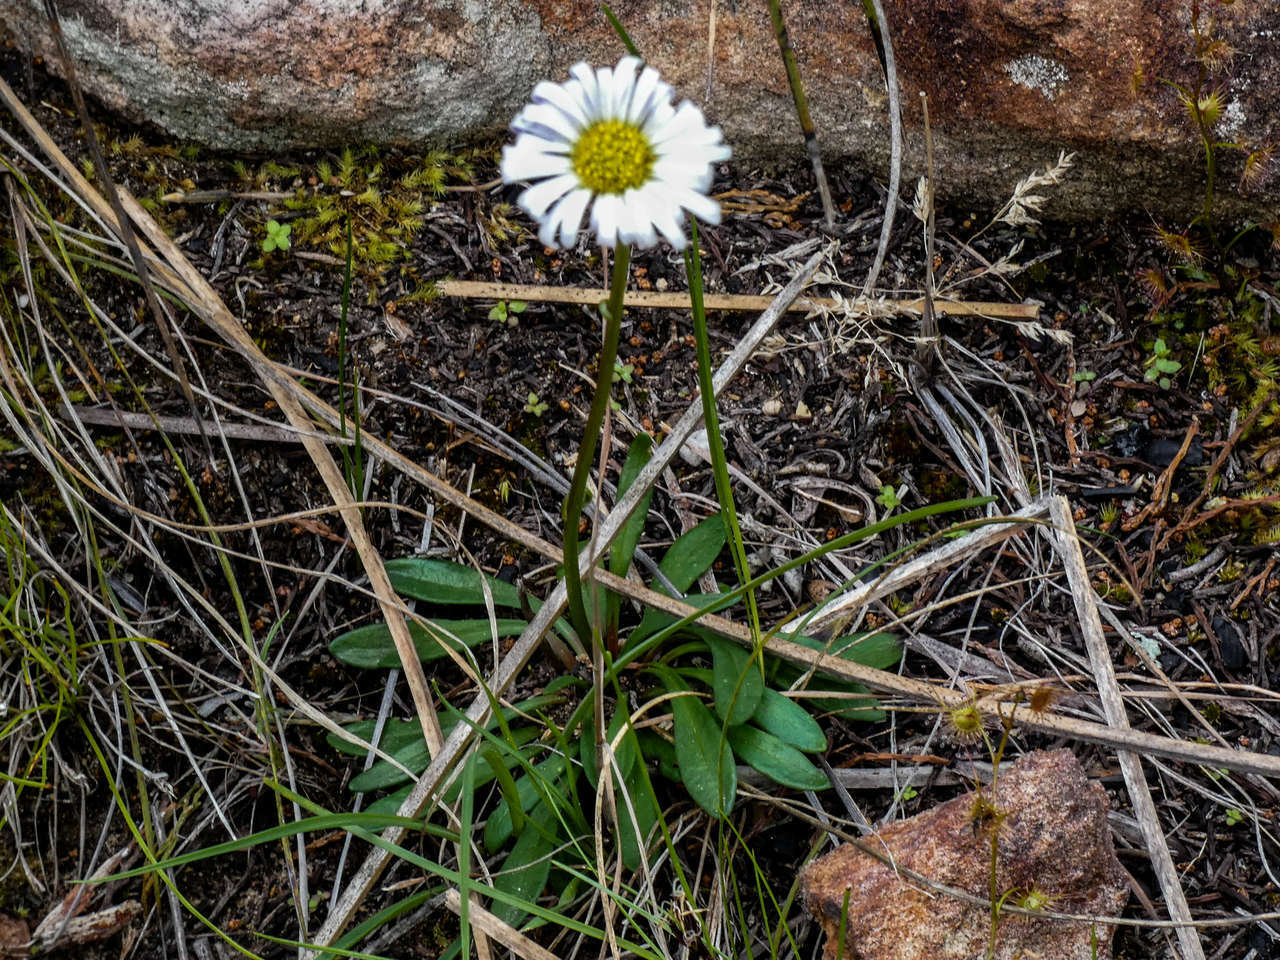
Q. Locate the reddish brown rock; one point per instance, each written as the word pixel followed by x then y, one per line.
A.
pixel 1009 84
pixel 1053 839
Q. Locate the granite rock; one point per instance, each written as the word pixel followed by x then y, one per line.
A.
pixel 1010 84
pixel 1053 839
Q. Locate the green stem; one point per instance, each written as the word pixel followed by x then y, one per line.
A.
pixel 715 443
pixel 586 451
pixel 802 110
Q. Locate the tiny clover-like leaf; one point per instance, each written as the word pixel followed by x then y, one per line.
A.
pixel 499 311
pixel 888 497
pixel 535 406
pixel 277 236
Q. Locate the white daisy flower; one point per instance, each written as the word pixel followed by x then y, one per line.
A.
pixel 612 140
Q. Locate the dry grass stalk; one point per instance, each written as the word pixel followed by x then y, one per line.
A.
pixel 1067 542
pixel 484 290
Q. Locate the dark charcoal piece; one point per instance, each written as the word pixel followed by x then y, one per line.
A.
pixel 1230 644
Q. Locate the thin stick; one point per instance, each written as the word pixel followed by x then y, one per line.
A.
pixel 126 231
pixel 103 417
pixel 1067 543
pixel 802 112
pixel 484 290
pixel 895 143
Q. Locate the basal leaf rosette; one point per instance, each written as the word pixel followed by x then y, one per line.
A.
pixel 611 140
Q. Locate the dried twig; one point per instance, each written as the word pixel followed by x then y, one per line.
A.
pixel 895 142
pixel 1067 542
pixel 483 290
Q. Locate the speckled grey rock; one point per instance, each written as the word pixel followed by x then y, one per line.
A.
pixel 1010 84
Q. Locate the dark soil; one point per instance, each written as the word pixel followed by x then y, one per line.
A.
pixel 805 410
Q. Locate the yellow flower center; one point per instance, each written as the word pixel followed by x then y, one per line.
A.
pixel 612 156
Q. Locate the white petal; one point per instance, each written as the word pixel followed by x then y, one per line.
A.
pixel 565 97
pixel 699 204
pixel 540 196
pixel 543 119
pixel 604 219
pixel 586 78
pixel 564 219
pixel 604 90
pixel 688 125
pixel 635 226
pixel 685 176
pixel 624 85
pixel 649 87
pixel 660 115
pixel 664 211
pixel 529 163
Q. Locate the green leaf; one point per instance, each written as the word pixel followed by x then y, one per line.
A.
pixel 627 749
pixel 778 761
pixel 371 646
pixel 624 546
pixel 655 747
pixel 655 620
pixel 686 560
pixel 416 757
pixel 517 306
pixel 704 755
pixel 442 581
pixel 396 734
pixel 694 552
pixel 646 815
pixel 789 722
pixel 879 650
pixel 501 823
pixel 525 871
pixel 735 681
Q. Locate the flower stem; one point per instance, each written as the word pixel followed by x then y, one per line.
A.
pixel 715 444
pixel 586 451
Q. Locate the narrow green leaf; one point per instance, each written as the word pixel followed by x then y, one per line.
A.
pixel 778 761
pixel 501 823
pixel 704 755
pixel 507 784
pixel 663 751
pixel 879 650
pixel 646 815
pixel 735 681
pixel 526 869
pixel 442 581
pixel 371 646
pixel 655 620
pixel 627 749
pixel 624 545
pixel 693 553
pixel 789 722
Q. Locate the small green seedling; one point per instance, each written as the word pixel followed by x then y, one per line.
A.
pixel 535 406
pixel 1234 816
pixel 623 371
pixel 1159 365
pixel 507 311
pixel 888 497
pixel 1084 376
pixel 277 236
